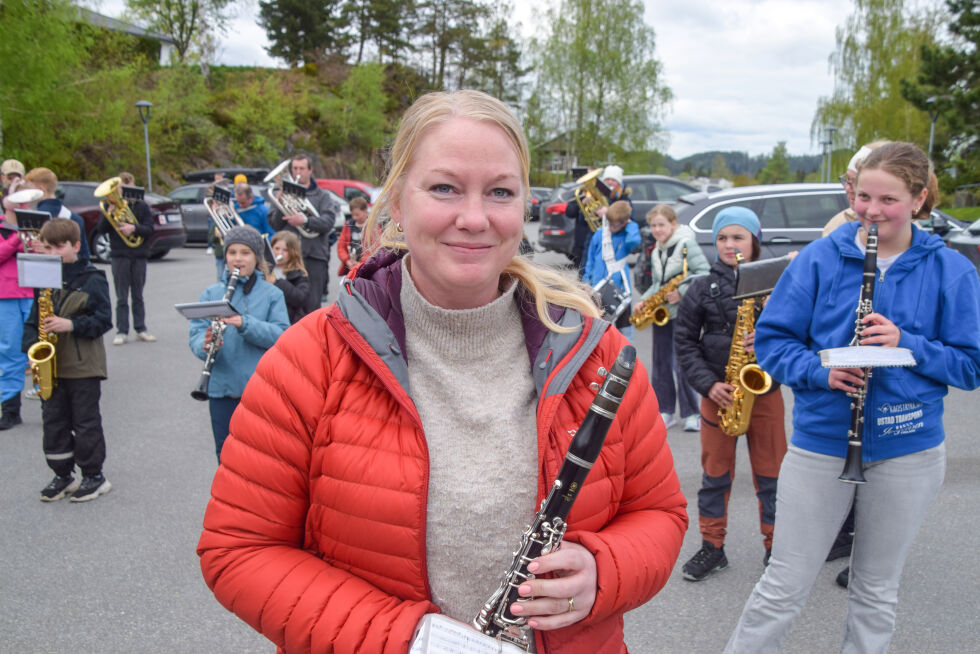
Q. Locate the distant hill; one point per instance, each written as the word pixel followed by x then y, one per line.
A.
pixel 740 163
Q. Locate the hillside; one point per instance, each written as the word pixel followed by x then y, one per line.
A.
pixel 740 163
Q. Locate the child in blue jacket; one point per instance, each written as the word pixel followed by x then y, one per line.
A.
pixel 607 252
pixel 926 299
pixel 263 317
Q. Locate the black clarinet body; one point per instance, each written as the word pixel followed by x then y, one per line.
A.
pixel 545 533
pixel 217 331
pixel 853 472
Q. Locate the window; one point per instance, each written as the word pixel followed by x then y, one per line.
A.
pixel 811 211
pixel 185 195
pixel 669 192
pixel 642 191
pixel 772 215
pixel 351 192
pixel 707 219
pixel 77 196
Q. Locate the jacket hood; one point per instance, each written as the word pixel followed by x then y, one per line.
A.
pixel 682 233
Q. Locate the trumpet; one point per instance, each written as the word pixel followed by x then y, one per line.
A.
pixel 292 197
pixel 116 209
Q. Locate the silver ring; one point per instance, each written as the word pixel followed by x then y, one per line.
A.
pixel 571 604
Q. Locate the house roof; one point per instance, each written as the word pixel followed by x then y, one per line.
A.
pixel 116 25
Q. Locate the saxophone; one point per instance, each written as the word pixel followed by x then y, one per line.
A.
pixel 742 372
pixel 545 533
pixel 41 354
pixel 654 309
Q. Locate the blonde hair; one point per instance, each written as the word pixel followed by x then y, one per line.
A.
pixel 293 249
pixel 546 285
pixel 127 179
pixel 664 210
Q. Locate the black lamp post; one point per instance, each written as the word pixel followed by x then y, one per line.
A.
pixel 144 108
pixel 933 115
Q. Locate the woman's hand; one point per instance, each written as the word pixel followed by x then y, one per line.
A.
pixel 561 601
pixel 673 297
pixel 721 394
pixel 845 379
pixel 235 321
pixel 879 330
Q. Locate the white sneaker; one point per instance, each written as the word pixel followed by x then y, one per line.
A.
pixel 119 339
pixel 32 394
pixel 692 423
pixel 146 337
pixel 669 419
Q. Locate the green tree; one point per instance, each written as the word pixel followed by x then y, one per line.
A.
pixel 777 167
pixel 719 168
pixel 877 47
pixel 601 96
pixel 186 21
pixel 302 31
pixel 384 23
pixel 948 84
pixel 446 30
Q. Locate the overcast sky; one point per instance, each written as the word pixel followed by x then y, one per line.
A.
pixel 745 73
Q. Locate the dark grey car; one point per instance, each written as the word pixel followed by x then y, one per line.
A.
pixel 967 243
pixel 191 199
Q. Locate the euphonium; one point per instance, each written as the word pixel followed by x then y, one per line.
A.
pixel 288 201
pixel 41 354
pixel 590 199
pixel 116 209
pixel 654 309
pixel 222 212
pixel 742 373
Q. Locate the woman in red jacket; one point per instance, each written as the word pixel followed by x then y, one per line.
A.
pixel 389 451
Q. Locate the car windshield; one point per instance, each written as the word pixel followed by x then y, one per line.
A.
pixel 77 196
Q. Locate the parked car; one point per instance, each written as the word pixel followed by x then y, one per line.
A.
pixel 967 243
pixel 168 225
pixel 539 194
pixel 557 232
pixel 348 189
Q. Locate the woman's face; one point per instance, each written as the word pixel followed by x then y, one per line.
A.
pixel 461 206
pixel 884 199
pixel 238 255
pixel 280 252
pixel 732 239
pixel 661 228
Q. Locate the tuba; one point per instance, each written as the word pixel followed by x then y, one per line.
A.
pixel 743 373
pixel 654 309
pixel 222 212
pixel 591 198
pixel 41 354
pixel 292 198
pixel 116 209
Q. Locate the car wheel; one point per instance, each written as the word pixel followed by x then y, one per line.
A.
pixel 101 247
pixel 159 255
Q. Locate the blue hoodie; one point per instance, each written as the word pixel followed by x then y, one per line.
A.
pixel 930 292
pixel 256 215
pixel 264 319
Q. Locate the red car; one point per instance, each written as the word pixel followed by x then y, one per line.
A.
pixel 350 189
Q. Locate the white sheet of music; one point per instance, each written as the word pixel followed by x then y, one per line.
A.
pixel 441 635
pixel 38 270
pixel 866 356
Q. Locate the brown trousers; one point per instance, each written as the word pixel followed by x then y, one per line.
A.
pixel 766 439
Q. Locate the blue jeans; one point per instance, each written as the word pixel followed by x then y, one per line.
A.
pixel 13 315
pixel 221 409
pixel 811 505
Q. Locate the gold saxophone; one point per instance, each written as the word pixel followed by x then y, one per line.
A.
pixel 743 373
pixel 41 354
pixel 117 210
pixel 654 309
pixel 590 199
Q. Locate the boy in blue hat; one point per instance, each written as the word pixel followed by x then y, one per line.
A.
pixel 702 340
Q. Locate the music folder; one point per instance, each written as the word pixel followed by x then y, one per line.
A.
pixel 222 195
pixel 38 270
pixel 866 356
pixel 206 310
pixel 438 634
pixel 758 278
pixel 132 193
pixel 293 188
pixel 30 220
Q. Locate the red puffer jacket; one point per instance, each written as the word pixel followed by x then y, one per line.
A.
pixel 315 532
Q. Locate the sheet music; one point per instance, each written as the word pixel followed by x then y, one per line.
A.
pixel 441 635
pixel 866 356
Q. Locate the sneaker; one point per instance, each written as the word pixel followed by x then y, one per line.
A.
pixel 146 337
pixel 91 488
pixel 59 488
pixel 707 560
pixel 692 423
pixel 843 577
pixel 210 250
pixel 765 559
pixel 32 394
pixel 841 547
pixel 669 420
pixel 119 339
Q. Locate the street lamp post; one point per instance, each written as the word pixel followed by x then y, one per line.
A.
pixel 828 145
pixel 144 108
pixel 933 115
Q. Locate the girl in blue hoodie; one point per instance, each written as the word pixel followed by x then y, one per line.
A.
pixel 263 318
pixel 926 299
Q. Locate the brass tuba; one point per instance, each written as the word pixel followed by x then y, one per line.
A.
pixel 222 212
pixel 590 198
pixel 292 197
pixel 743 373
pixel 41 354
pixel 116 209
pixel 654 309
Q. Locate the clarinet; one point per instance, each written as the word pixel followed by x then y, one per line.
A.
pixel 853 472
pixel 217 329
pixel 545 533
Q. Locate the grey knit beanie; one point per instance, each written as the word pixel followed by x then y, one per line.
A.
pixel 247 236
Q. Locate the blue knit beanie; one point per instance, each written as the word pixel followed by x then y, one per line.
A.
pixel 741 216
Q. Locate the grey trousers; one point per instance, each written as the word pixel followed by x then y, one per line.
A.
pixel 811 505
